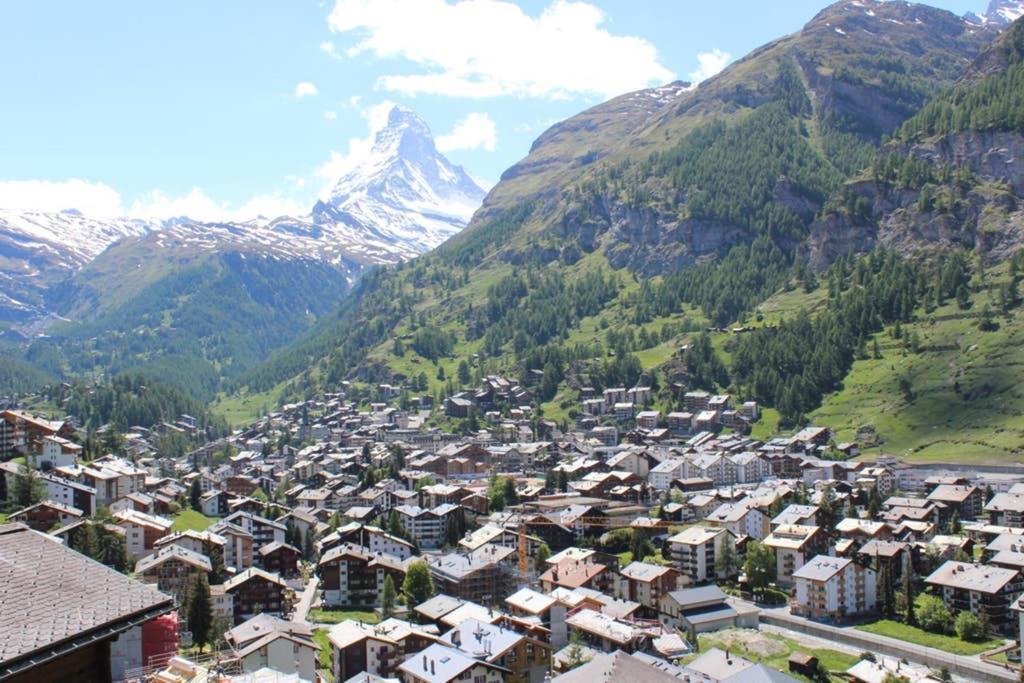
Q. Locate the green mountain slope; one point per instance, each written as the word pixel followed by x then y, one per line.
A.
pixel 636 223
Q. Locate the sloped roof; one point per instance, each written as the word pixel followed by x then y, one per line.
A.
pixel 51 596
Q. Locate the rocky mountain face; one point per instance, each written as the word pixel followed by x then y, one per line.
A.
pixel 850 77
pixel 968 188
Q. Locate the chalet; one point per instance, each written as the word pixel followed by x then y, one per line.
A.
pixel 214 503
pixel 1006 509
pixel 577 574
pixel 266 642
pixel 46 515
pixel 523 659
pixel 238 545
pixel 963 500
pixel 263 530
pixel 279 558
pixel 56 451
pixel 142 531
pixel 353 575
pixel 646 584
pixel 742 518
pixel 376 649
pixel 172 568
pixel 441 664
pixel 255 591
pixel 551 613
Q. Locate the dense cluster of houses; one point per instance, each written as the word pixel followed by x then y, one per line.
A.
pixel 323 504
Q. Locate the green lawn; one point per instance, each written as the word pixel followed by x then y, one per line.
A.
pixel 966 403
pixel 773 650
pixel 3 517
pixel 336 616
pixel 191 519
pixel 911 634
pixel 323 658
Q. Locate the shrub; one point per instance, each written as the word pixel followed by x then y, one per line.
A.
pixel 933 615
pixel 969 627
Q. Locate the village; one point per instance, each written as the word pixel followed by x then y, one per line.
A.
pixel 335 540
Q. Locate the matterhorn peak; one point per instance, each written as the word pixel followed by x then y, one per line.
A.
pixel 405 192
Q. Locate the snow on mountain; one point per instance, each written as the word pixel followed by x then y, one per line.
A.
pixel 1000 13
pixel 406 193
pixel 404 199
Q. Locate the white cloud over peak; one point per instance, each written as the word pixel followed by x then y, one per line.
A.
pixel 709 64
pixel 306 89
pixel 358 151
pixel 490 48
pixel 476 131
pixel 94 199
pixel 196 204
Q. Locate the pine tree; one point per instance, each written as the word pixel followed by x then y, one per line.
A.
pixel 28 488
pixel 200 611
pixel 908 590
pixel 387 597
pixel 195 494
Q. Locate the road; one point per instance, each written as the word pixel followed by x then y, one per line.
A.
pixel 968 667
pixel 306 601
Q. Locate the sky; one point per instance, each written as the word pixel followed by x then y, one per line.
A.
pixel 238 108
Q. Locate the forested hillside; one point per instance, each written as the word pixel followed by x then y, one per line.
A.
pixel 628 230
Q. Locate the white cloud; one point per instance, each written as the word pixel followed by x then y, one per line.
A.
pixel 199 206
pixel 94 199
pixel 330 115
pixel 476 131
pixel 358 148
pixel 99 200
pixel 327 47
pixel 489 48
pixel 709 64
pixel 306 89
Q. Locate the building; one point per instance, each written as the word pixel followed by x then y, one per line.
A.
pixel 255 591
pixel 46 515
pixel 142 531
pixel 280 558
pixel 696 551
pixel 963 500
pixel 172 568
pixel 442 664
pixel 551 613
pixel 352 575
pixel 646 584
pixel 742 518
pixel 266 642
pixel 983 590
pixel 1006 509
pixel 794 544
pixel 376 649
pixel 470 577
pixel 526 659
pixel 705 608
pixel 833 588
pixel 89 631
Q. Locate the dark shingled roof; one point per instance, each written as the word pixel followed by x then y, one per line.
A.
pixel 50 596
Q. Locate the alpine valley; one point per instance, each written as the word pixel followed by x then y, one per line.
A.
pixel 197 303
pixel 831 226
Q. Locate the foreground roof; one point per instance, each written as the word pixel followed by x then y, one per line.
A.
pixel 54 600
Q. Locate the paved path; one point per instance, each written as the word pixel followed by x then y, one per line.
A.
pixel 969 667
pixel 306 601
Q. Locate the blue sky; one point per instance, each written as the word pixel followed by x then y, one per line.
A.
pixel 228 109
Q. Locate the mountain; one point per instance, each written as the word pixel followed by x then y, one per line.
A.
pixel 405 193
pixel 196 303
pixel 643 219
pixel 1000 13
pixel 952 177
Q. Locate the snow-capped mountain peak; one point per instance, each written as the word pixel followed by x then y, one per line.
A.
pixel 405 192
pixel 1000 13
